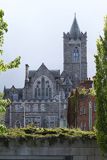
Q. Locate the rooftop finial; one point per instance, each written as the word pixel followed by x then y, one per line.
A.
pixel 75 14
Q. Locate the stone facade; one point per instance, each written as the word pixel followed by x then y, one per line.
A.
pixel 43 100
pixel 15 149
pixel 75 54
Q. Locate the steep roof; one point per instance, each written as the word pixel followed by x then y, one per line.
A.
pixel 33 72
pixel 55 73
pixel 75 31
pixel 8 92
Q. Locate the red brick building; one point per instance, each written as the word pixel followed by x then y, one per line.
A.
pixel 82 107
pixel 86 112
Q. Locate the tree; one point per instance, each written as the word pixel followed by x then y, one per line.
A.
pixel 3 66
pixel 3 28
pixel 73 100
pixel 101 89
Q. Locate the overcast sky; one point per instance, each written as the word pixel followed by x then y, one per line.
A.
pixel 35 32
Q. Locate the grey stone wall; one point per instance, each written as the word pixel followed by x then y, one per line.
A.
pixel 21 149
pixel 78 69
pixel 24 111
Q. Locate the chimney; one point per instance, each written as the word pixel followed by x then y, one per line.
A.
pixel 26 72
pixel 86 83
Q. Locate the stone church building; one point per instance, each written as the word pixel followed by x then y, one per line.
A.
pixel 43 99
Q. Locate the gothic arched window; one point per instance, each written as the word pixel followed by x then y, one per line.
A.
pixel 50 92
pixel 47 91
pixel 76 55
pixel 43 88
pixel 37 91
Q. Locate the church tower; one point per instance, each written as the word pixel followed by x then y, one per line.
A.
pixel 75 54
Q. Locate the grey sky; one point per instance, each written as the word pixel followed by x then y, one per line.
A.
pixel 36 29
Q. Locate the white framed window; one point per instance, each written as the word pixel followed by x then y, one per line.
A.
pixel 51 121
pixel 33 120
pixel 17 107
pixel 27 108
pixel 35 108
pixel 42 106
pixel 65 106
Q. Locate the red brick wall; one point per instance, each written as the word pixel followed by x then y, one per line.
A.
pixel 83 112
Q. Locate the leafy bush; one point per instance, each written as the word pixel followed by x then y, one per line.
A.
pixel 48 133
pixel 3 129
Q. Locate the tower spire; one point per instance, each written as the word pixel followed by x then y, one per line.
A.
pixel 75 31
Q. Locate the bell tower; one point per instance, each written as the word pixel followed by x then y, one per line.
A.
pixel 75 54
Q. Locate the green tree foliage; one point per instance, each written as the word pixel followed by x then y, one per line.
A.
pixel 4 66
pixel 3 103
pixel 3 28
pixel 72 109
pixel 101 89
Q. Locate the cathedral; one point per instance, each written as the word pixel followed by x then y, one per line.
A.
pixel 43 99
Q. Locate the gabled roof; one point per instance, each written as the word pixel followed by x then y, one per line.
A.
pixel 67 81
pixel 55 73
pixel 42 67
pixel 8 92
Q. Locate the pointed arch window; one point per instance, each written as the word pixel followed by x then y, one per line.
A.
pixel 43 88
pixel 76 55
pixel 48 91
pixel 37 91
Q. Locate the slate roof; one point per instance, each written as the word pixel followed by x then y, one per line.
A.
pixel 55 73
pixel 8 92
pixel 75 31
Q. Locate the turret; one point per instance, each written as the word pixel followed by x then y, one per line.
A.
pixel 75 54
